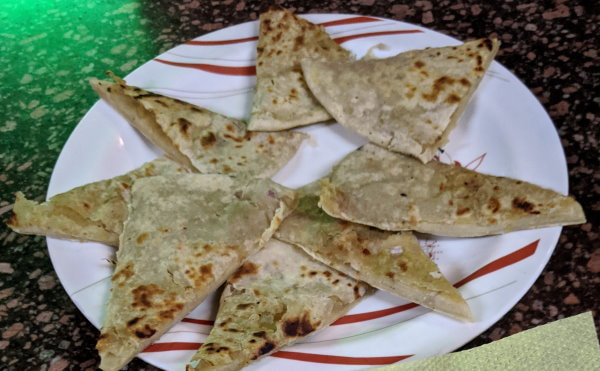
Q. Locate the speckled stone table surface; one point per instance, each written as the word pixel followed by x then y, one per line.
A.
pixel 48 50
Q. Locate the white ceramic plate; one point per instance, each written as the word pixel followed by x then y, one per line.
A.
pixel 504 131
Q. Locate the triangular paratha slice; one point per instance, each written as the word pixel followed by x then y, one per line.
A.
pixel 184 235
pixel 92 212
pixel 276 298
pixel 390 261
pixel 391 191
pixel 281 98
pixel 408 103
pixel 197 138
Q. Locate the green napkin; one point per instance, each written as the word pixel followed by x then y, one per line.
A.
pixel 567 344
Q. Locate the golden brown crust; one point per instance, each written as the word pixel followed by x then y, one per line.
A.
pixel 92 212
pixel 393 262
pixel 282 99
pixel 280 296
pixel 400 193
pixel 184 235
pixel 407 103
pixel 199 139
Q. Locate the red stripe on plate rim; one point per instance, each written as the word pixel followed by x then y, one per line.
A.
pixel 343 39
pixel 339 22
pixel 213 68
pixel 251 70
pixel 296 356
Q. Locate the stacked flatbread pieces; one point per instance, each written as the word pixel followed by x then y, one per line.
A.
pixel 199 139
pixel 181 235
pixel 282 99
pixel 408 103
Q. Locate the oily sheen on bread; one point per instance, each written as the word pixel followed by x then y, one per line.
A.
pixel 281 98
pixel 184 235
pixel 395 192
pixel 279 296
pixel 390 261
pixel 92 212
pixel 199 139
pixel 408 103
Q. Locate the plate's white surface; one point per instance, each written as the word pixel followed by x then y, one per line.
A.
pixel 504 131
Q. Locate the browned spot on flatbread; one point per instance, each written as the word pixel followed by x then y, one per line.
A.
pixel 170 313
pixel 208 140
pixel 299 42
pixel 235 139
pixel 390 274
pixel 142 237
pixel 144 294
pixel 124 273
pixel 13 221
pixel 520 204
pixel 452 99
pixel 419 64
pixel 464 82
pixel 300 326
pixel 439 86
pixel 86 205
pixel 145 332
pixel 133 321
pixel 243 306
pixel 149 170
pixel 486 43
pixel 248 268
pixel 147 95
pixel 229 127
pixel 214 161
pixel 184 126
pixel 366 251
pixel 492 221
pixel 402 265
pixel 356 292
pixel 264 349
pixel 201 275
pixel 227 169
pixel 462 211
pixel 493 205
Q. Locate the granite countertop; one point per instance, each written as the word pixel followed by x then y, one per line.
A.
pixel 50 49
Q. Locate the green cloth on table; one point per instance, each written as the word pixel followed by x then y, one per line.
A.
pixel 567 344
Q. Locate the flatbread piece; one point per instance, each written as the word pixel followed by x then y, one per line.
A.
pixel 282 99
pixel 394 192
pixel 277 297
pixel 92 212
pixel 408 103
pixel 197 138
pixel 184 235
pixel 390 261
